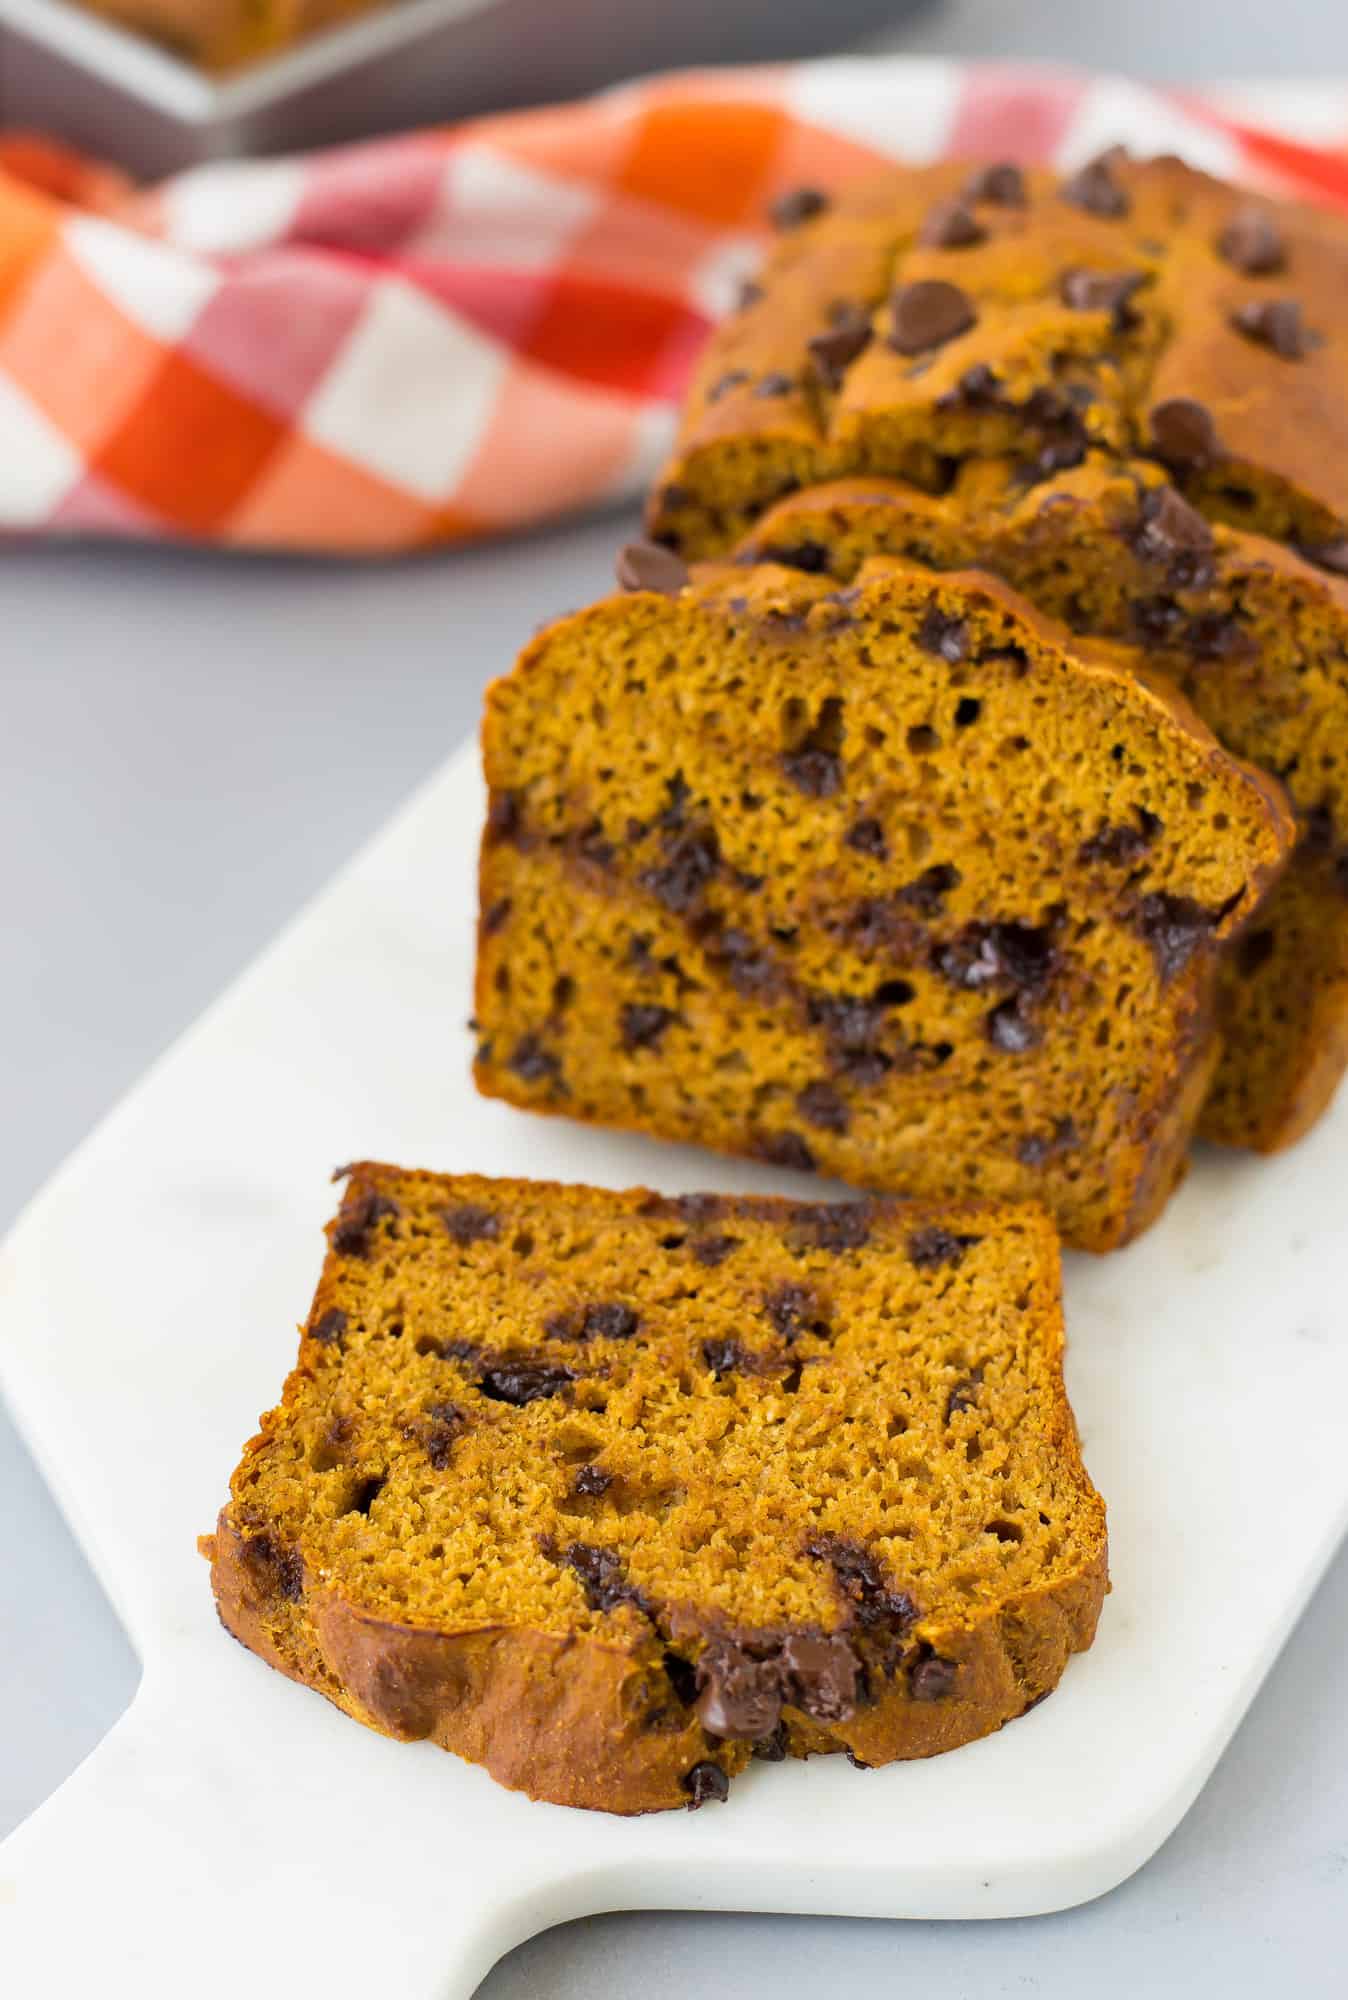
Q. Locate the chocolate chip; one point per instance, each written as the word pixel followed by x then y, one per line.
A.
pixel 330 1327
pixel 470 1224
pixel 1175 536
pixel 738 1694
pixel 1175 927
pixel 609 1322
pixel 1122 844
pixel 867 836
pixel 934 1246
pixel 817 773
pixel 532 1062
pixel 812 557
pixel 774 384
pixel 794 1309
pixel 1252 242
pixel 797 206
pixel 446 1422
pixel 982 955
pixel 590 1481
pixel 833 352
pixel 1002 183
pixel 786 1149
pixel 734 378
pixel 944 635
pixel 601 1574
pixel 927 893
pixel 949 225
pixel 642 1025
pixel 1103 291
pixel 1328 555
pixel 873 1602
pixel 978 388
pixel 282 1570
pixel 691 859
pixel 834 1225
pixel 752 971
pixel 697 1207
pixel 964 1396
pixel 771 1749
pixel 713 1250
pixel 505 817
pixel 819 1104
pixel 1010 1028
pixel 1277 323
pixel 650 566
pixel 728 1357
pixel 357 1220
pixel 705 1781
pixel 1037 1148
pixel 750 292
pixel 1094 188
pixel 820 1675
pixel 932 1678
pixel 1184 435
pixel 927 314
pixel 521 1382
pixel 495 918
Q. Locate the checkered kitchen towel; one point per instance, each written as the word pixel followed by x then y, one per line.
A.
pixel 442 336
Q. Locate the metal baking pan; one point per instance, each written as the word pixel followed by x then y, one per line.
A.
pixel 97 86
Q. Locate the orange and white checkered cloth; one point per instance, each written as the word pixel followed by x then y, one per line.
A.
pixel 438 337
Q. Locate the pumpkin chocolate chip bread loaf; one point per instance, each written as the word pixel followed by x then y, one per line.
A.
pixel 895 881
pixel 928 317
pixel 610 1492
pixel 1256 638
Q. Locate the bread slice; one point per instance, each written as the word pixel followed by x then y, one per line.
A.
pixel 1252 634
pixel 609 1492
pixel 895 881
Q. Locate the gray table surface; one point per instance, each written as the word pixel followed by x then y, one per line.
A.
pixel 193 745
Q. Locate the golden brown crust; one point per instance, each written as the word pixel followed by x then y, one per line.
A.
pixel 584 1712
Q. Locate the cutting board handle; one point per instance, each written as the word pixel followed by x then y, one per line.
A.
pixel 168 1864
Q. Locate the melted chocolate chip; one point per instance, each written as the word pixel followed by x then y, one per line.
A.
pixel 867 836
pixel 357 1220
pixel 786 1149
pixel 1037 1148
pixel 927 314
pixel 934 1246
pixel 932 1678
pixel 944 635
pixel 602 1576
pixel 819 1104
pixel 812 557
pixel 964 1395
pixel 470 1224
pixel 873 1602
pixel 706 1781
pixel 728 1357
pixel 1103 291
pixel 816 773
pixel 1175 536
pixel 330 1327
pixel 1175 927
pixel 927 892
pixel 820 1675
pixel 1122 844
pixel 495 918
pixel 833 352
pixel 713 1250
pixel 533 1062
pixel 612 1321
pixel 738 1694
pixel 1002 183
pixel 1277 323
pixel 1252 242
pixel 590 1481
pixel 771 1749
pixel 983 955
pixel 505 817
pixel 796 206
pixel 446 1422
pixel 949 225
pixel 521 1382
pixel 1183 434
pixel 978 388
pixel 1094 188
pixel 691 859
pixel 643 1025
pixel 793 1310
pixel 281 1570
pixel 833 1225
pixel 1011 1028
pixel 651 566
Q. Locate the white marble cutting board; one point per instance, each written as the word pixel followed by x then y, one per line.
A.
pixel 234 1834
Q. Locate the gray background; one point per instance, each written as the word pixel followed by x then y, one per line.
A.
pixel 193 745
